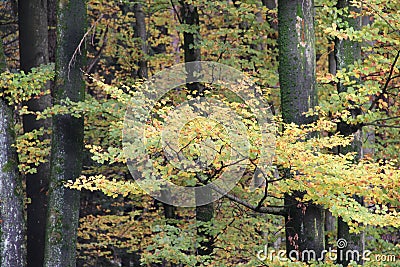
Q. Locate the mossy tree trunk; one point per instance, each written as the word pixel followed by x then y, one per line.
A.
pixel 12 225
pixel 67 137
pixel 304 221
pixel 33 43
pixel 347 52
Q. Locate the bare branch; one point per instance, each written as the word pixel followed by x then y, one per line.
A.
pixel 383 125
pixel 387 81
pixel 269 210
pixel 78 48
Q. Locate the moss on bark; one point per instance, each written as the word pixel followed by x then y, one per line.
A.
pixel 304 221
pixel 67 137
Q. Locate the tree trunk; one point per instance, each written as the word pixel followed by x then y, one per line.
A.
pixel 12 238
pixel 304 221
pixel 140 32
pixel 52 24
pixel 204 213
pixel 33 43
pixel 347 53
pixel 190 17
pixel 330 220
pixel 67 137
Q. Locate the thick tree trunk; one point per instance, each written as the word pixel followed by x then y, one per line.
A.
pixel 67 137
pixel 204 213
pixel 347 53
pixel 52 24
pixel 12 236
pixel 33 43
pixel 304 221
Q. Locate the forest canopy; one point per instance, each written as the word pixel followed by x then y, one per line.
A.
pixel 199 133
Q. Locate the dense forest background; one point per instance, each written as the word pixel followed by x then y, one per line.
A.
pixel 74 74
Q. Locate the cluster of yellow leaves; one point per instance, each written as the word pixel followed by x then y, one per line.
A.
pixel 331 180
pixel 110 155
pixel 115 229
pixel 20 87
pixel 32 150
pixel 328 179
pixel 112 188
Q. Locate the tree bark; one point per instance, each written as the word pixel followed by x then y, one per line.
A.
pixel 330 220
pixel 347 53
pixel 190 17
pixel 204 213
pixel 12 225
pixel 33 43
pixel 140 32
pixel 52 24
pixel 67 137
pixel 304 221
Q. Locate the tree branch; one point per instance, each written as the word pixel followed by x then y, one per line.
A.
pixel 269 210
pixel 383 125
pixel 387 81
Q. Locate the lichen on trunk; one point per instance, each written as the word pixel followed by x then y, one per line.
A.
pixel 304 221
pixel 67 137
pixel 12 225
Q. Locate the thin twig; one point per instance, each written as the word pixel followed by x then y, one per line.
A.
pixel 78 48
pixel 383 125
pixel 387 80
pixel 176 12
pixel 98 54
